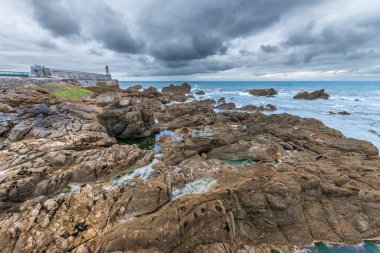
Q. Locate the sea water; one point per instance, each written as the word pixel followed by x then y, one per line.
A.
pixel 360 98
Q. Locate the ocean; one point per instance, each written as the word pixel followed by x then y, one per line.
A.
pixel 360 98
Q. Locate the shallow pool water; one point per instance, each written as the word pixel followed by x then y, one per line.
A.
pixel 200 185
pixel 141 173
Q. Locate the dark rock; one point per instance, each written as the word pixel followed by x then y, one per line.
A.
pixel 200 92
pixel 226 106
pixel 344 113
pixel 268 107
pixel 221 100
pixel 176 89
pixel 318 94
pixel 128 121
pixel 263 92
pixel 341 113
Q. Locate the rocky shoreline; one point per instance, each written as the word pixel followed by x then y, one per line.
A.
pixel 195 180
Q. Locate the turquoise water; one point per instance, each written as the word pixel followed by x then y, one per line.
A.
pixel 363 123
pixel 367 246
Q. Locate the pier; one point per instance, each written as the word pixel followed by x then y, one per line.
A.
pixel 84 78
pixel 14 73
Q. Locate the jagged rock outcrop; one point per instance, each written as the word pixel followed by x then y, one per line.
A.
pixel 178 93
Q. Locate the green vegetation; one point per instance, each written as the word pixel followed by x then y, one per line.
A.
pixel 246 161
pixel 65 90
pixel 146 143
pixel 70 92
pixel 275 251
pixel 66 188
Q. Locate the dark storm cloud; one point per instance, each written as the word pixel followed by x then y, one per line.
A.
pixel 109 29
pixel 269 48
pixel 55 17
pixel 189 68
pixel 189 30
pixel 106 26
pixel 186 49
pixel 153 37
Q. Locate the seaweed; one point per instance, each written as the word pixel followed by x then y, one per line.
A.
pixel 242 161
pixel 146 143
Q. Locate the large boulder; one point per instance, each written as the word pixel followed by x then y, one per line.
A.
pixel 123 121
pixel 318 94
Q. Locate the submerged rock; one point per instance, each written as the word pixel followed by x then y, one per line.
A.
pixel 344 113
pixel 341 113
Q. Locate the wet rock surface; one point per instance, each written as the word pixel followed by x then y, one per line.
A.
pixel 318 94
pixel 213 182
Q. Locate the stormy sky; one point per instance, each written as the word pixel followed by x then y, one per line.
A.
pixel 197 39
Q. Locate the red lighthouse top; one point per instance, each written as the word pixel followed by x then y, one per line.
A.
pixel 107 70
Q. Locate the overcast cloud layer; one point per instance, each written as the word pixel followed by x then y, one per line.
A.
pixel 195 40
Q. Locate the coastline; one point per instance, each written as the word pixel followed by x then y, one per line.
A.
pixel 362 123
pixel 227 181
